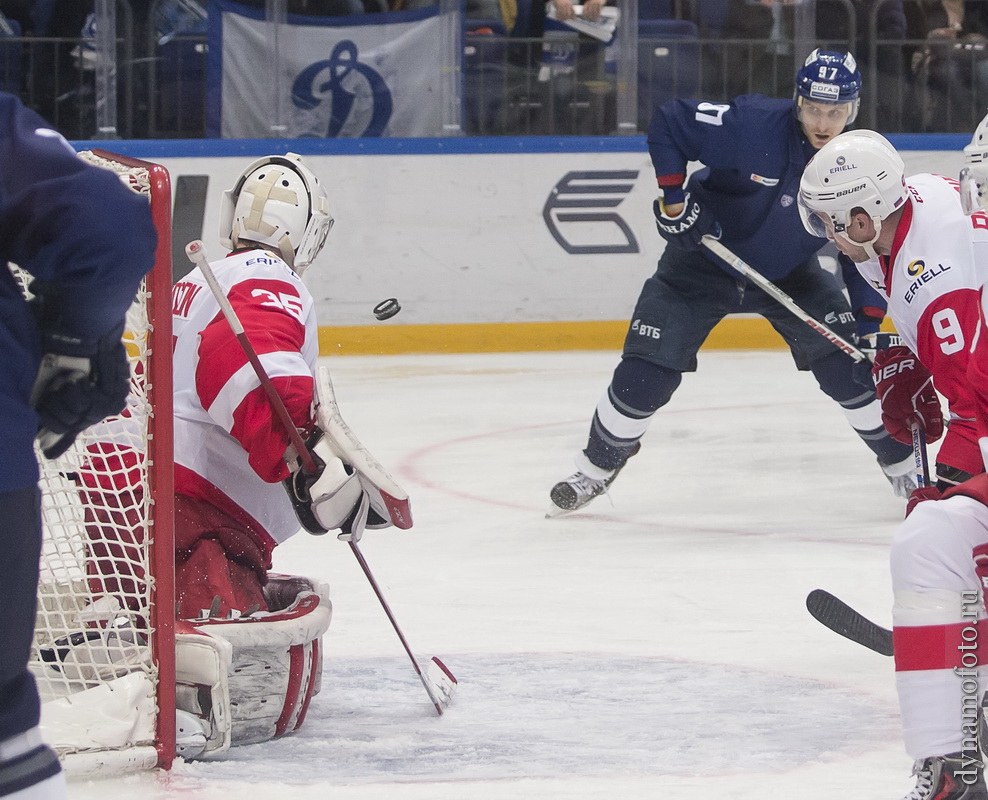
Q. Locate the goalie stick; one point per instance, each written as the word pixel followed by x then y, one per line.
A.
pixel 439 682
pixel 841 618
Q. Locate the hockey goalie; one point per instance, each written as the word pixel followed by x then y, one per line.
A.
pixel 248 640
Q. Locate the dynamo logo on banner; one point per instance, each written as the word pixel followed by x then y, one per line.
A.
pixel 342 77
pixel 328 79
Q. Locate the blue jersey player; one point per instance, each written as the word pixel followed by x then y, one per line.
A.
pixel 86 240
pixel 754 150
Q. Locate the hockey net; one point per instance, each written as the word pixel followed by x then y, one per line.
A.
pixel 104 654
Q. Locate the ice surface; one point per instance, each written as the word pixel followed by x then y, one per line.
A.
pixel 655 646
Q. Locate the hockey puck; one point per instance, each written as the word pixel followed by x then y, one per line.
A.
pixel 386 309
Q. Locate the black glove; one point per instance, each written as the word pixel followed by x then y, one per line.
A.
pixel 686 230
pixel 80 382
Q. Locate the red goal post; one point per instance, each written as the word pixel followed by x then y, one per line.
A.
pixel 104 650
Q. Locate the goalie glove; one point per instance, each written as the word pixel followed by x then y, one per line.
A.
pixel 333 497
pixel 905 388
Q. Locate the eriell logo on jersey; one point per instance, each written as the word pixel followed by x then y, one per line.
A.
pixel 923 275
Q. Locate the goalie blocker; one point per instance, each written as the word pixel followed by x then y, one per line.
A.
pixel 349 490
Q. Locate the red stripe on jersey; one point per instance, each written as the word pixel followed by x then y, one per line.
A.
pixel 977 374
pixel 944 334
pixel 261 433
pixel 905 222
pixel 671 181
pixel 270 312
pixel 925 647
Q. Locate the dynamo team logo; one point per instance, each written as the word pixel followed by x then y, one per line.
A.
pixel 349 88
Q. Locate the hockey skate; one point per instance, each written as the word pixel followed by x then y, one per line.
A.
pixel 580 488
pixel 902 476
pixel 949 777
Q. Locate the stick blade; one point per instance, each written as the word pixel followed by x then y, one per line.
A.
pixel 844 620
pixel 443 683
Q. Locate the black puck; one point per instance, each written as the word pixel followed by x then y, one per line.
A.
pixel 386 309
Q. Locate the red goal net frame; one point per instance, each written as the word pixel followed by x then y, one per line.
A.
pixel 105 643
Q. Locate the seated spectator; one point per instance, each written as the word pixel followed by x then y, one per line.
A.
pixel 951 71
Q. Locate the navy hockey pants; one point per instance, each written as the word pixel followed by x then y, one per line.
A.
pixel 679 306
pixel 20 540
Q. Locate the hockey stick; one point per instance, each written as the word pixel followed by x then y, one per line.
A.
pixel 920 461
pixel 439 683
pixel 841 618
pixel 773 291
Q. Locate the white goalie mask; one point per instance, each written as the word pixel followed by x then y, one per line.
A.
pixel 855 170
pixel 974 177
pixel 279 202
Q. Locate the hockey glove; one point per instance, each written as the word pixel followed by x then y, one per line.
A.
pixel 905 389
pixel 686 230
pixel 871 345
pixel 80 382
pixel 331 498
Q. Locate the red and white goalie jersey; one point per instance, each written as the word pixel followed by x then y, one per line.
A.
pixel 229 444
pixel 934 299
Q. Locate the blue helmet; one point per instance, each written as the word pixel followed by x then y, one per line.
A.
pixel 830 77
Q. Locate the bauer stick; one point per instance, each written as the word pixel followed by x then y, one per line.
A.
pixel 439 683
pixel 773 291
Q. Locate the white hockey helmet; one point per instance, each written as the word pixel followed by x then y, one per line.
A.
pixel 279 202
pixel 857 169
pixel 974 177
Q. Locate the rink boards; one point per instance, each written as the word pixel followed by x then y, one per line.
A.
pixel 490 244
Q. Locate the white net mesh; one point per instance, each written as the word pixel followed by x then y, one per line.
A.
pixel 94 633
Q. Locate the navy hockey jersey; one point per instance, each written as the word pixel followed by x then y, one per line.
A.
pixel 80 232
pixel 754 152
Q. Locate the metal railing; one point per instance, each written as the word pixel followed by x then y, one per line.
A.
pixel 516 86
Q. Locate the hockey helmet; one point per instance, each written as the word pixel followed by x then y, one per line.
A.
pixel 857 169
pixel 974 177
pixel 828 76
pixel 278 201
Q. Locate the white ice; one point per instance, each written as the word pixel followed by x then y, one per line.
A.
pixel 655 646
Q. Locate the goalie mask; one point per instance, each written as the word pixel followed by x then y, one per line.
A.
pixel 278 202
pixel 857 170
pixel 830 77
pixel 974 177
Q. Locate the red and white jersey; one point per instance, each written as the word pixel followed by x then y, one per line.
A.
pixel 932 277
pixel 977 375
pixel 229 444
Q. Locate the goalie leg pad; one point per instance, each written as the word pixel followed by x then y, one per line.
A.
pixel 274 669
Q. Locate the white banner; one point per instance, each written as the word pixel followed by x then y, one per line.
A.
pixel 371 75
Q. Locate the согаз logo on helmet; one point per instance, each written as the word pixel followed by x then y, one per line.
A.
pixel 342 80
